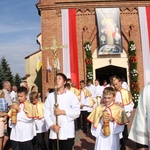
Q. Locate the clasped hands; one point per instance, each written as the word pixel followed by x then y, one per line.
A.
pixel 15 106
pixel 108 118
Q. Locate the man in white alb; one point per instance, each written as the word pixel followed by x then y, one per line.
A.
pixel 140 129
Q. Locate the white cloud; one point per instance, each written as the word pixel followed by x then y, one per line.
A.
pixel 19 26
pixel 15 52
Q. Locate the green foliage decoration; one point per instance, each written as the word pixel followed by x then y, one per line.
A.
pixel 133 72
pixel 88 61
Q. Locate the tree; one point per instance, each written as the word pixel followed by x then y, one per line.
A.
pixel 17 80
pixel 5 72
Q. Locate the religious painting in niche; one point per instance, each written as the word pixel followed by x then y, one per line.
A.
pixel 109 32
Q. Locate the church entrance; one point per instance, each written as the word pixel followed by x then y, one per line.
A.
pixel 105 72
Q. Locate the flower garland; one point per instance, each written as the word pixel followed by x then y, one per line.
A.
pixel 133 73
pixel 88 61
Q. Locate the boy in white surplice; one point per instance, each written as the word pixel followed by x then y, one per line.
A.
pixel 39 140
pixel 68 110
pixel 24 130
pixel 116 118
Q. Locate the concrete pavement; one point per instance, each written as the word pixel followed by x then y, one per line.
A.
pixel 86 141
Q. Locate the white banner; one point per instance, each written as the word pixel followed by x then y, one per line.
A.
pixel 145 44
pixel 65 41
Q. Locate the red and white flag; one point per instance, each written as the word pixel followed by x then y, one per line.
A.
pixel 69 38
pixel 144 19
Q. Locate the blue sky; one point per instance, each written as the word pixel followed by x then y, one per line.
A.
pixel 19 27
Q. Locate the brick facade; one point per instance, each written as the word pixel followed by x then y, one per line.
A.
pixel 50 11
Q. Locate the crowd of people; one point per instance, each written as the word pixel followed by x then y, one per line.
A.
pixel 104 110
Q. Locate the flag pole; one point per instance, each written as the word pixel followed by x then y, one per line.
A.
pixel 54 49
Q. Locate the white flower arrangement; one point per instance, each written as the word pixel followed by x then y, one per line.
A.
pixel 87 47
pixel 133 72
pixel 88 60
pixel 132 47
pixel 89 75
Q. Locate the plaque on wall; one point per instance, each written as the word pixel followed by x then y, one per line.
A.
pixel 109 32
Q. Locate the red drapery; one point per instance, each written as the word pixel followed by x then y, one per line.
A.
pixel 73 47
pixel 148 22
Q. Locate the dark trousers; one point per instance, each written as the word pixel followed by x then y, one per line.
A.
pixel 138 145
pixel 78 122
pixel 21 145
pixel 39 142
pixel 125 137
pixel 84 120
pixel 63 144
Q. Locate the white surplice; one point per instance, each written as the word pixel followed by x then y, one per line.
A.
pixel 92 90
pixel 128 108
pixel 67 101
pixel 25 129
pixel 140 129
pixel 40 125
pixel 125 85
pixel 110 142
pixel 85 101
pixel 99 90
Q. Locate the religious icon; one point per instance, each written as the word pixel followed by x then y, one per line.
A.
pixel 109 37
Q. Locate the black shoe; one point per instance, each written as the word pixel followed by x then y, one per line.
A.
pixel 77 129
pixel 84 131
pixel 123 148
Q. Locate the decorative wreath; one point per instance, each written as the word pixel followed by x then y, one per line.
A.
pixel 88 61
pixel 133 73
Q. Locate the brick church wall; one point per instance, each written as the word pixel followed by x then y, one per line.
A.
pixel 51 26
pixel 130 22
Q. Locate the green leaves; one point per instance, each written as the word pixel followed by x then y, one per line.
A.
pixel 133 72
pixel 88 61
pixel 6 73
